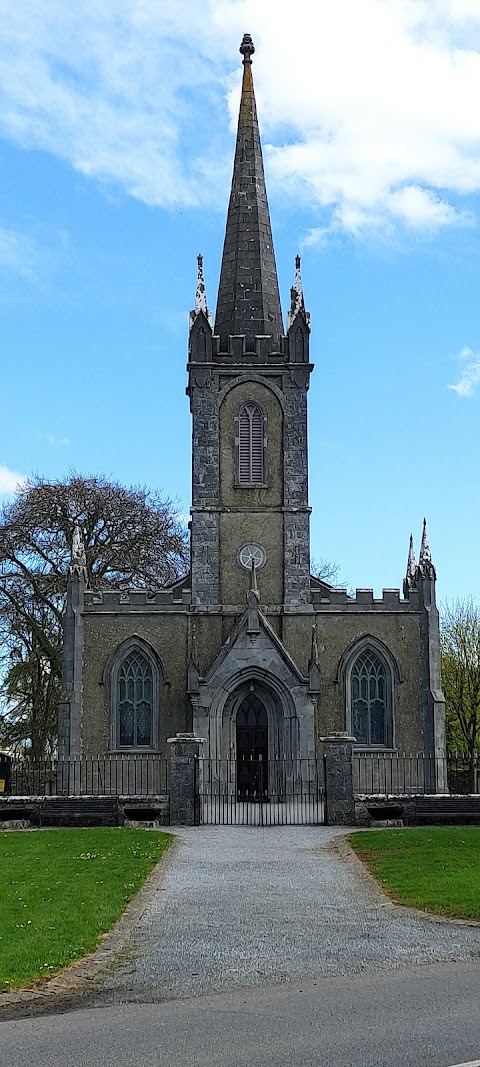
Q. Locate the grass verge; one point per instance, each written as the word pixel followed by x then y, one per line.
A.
pixel 435 869
pixel 61 890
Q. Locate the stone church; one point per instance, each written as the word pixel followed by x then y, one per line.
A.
pixel 249 651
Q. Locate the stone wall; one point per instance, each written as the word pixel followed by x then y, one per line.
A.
pixel 168 635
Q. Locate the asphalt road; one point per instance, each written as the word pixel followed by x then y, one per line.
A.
pixel 413 1017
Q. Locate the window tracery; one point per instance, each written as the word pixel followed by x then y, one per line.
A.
pixel 370 700
pixel 134 699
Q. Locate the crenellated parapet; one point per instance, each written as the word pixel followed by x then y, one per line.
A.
pixel 364 601
pixel 207 347
pixel 133 600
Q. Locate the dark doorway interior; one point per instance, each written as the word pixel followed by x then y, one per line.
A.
pixel 252 749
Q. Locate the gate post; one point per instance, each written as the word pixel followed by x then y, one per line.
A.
pixel 338 759
pixel 183 755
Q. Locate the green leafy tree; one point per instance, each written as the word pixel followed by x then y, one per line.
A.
pixel 132 538
pixel 460 643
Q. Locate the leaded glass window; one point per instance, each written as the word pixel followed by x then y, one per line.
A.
pixel 250 445
pixel 135 701
pixel 252 712
pixel 369 699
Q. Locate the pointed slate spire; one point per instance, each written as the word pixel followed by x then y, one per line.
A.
pixel 248 297
pixel 425 565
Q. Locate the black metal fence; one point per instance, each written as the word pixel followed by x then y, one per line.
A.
pixel 397 774
pixel 254 792
pixel 142 776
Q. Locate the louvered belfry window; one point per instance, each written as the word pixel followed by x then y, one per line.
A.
pixel 250 444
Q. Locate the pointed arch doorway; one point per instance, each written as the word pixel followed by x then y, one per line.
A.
pixel 252 748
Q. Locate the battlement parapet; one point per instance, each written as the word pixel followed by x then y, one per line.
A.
pixel 364 600
pixel 264 350
pixel 131 600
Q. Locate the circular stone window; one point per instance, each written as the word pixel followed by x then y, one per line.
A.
pixel 252 554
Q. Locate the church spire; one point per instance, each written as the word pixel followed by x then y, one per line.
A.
pixel 248 296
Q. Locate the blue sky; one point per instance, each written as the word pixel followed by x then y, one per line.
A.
pixel 117 126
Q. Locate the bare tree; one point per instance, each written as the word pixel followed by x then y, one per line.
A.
pixel 132 538
pixel 460 642
pixel 325 571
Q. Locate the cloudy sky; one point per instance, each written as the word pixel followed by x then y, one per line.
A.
pixel 117 125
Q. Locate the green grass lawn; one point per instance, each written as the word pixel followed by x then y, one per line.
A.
pixel 433 868
pixel 61 890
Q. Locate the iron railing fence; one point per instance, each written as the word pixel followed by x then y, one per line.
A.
pixel 256 792
pixel 401 774
pixel 104 776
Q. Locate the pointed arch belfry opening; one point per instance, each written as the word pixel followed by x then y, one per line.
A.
pixel 250 444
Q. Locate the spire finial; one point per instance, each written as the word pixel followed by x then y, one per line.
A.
pixel 200 295
pixel 425 565
pixel 247 48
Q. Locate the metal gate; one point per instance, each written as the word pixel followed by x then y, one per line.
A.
pixel 255 792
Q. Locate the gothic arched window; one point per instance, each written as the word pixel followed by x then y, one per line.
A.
pixel 134 684
pixel 250 444
pixel 370 699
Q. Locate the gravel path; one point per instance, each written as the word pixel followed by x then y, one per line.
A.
pixel 244 906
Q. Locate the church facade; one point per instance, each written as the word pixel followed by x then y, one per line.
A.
pixel 249 651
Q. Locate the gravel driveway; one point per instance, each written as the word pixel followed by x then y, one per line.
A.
pixel 244 906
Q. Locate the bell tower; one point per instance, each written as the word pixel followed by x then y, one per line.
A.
pixel 248 383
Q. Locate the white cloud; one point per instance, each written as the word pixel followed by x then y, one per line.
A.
pixel 422 208
pixel 470 377
pixel 19 254
pixel 56 442
pixel 370 107
pixel 10 480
